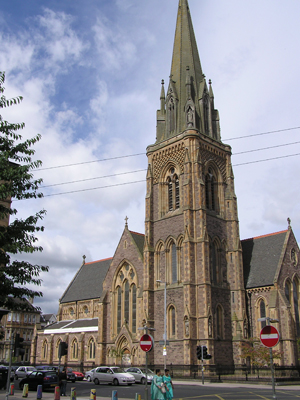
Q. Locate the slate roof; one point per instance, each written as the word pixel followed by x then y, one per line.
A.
pixel 139 239
pixel 88 282
pixel 76 325
pixel 261 256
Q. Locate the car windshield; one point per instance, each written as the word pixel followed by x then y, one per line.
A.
pixel 117 370
pixel 149 371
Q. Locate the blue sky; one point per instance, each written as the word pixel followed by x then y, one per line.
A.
pixel 90 76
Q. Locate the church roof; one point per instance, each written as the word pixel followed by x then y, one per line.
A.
pixel 69 326
pixel 139 240
pixel 261 257
pixel 88 282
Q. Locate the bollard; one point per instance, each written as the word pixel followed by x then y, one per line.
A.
pixel 114 395
pixel 57 393
pixel 25 390
pixel 137 396
pixel 39 392
pixel 12 389
pixel 73 394
pixel 93 394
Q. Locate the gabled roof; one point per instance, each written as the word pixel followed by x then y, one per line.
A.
pixel 77 325
pixel 139 240
pixel 261 256
pixel 88 282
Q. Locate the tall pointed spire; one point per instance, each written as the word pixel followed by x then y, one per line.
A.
pixel 185 54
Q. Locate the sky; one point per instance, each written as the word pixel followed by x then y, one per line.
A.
pixel 90 74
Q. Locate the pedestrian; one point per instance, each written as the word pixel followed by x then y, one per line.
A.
pixel 168 384
pixel 63 381
pixel 157 386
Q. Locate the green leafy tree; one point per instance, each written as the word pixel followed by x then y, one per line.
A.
pixel 19 236
pixel 258 354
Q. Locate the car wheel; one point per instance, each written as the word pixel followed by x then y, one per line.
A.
pixel 88 379
pixel 73 381
pixel 143 381
pixel 96 381
pixel 21 385
pixel 115 382
pixel 129 384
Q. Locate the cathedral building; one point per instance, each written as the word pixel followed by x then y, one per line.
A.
pixel 216 285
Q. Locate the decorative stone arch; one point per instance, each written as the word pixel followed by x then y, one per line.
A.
pixel 171 260
pixel 295 302
pixel 170 187
pixel 124 295
pixel 74 350
pixel 219 322
pixel 171 321
pixel 287 287
pixel 44 354
pixel 159 260
pixel 261 311
pixel 216 254
pixel 213 181
pixel 91 348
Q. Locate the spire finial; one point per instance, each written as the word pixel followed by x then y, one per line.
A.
pixel 126 221
pixel 289 223
pixel 83 259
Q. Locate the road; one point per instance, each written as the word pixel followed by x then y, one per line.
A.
pixel 183 390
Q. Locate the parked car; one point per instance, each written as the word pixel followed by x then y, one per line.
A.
pixel 78 375
pixel 89 375
pixel 23 371
pixel 140 374
pixel 113 375
pixel 70 375
pixel 48 379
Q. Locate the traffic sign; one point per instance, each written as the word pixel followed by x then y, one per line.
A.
pixel 269 336
pixel 146 342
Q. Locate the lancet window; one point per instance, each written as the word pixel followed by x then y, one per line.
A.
pixel 125 295
pixel 211 190
pixel 173 200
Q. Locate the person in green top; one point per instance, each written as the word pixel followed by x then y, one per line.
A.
pixel 157 386
pixel 169 385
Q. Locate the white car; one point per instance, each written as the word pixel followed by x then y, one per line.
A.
pixel 89 375
pixel 23 372
pixel 113 375
pixel 140 374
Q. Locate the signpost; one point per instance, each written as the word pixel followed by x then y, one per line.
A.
pixel 269 337
pixel 146 342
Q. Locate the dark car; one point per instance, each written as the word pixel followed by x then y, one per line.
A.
pixel 70 375
pixel 48 379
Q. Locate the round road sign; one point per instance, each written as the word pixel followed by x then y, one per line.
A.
pixel 269 336
pixel 146 342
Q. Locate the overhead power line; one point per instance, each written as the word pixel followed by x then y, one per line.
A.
pixel 141 154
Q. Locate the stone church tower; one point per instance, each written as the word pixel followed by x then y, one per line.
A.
pixel 191 228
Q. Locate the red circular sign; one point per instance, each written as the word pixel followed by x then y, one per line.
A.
pixel 146 342
pixel 269 336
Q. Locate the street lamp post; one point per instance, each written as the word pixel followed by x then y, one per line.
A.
pixel 165 323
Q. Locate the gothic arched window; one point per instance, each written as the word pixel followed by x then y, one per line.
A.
pixel 75 349
pixel 91 347
pixel 125 295
pixel 172 322
pixel 287 290
pixel 296 306
pixel 262 313
pixel 215 263
pixel 45 349
pixel 173 197
pixel 219 322
pixel 211 190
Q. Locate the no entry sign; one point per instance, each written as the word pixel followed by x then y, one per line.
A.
pixel 146 342
pixel 269 336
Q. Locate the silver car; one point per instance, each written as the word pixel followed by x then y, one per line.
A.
pixel 140 374
pixel 89 375
pixel 23 372
pixel 113 375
